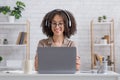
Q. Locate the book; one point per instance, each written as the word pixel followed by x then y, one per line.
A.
pixel 22 38
pixel 18 39
pixel 25 38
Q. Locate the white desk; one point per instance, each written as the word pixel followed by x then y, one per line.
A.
pixel 77 76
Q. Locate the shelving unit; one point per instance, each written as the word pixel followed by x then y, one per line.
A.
pixel 98 31
pixel 13 51
pixel 12 45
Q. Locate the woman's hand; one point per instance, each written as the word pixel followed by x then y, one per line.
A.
pixel 77 63
pixel 36 63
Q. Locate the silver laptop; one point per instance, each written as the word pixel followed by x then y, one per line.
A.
pixel 56 60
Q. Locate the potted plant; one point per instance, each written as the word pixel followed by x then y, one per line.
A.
pixel 99 19
pixel 14 13
pixel 4 9
pixel 1 58
pixel 17 10
pixel 104 18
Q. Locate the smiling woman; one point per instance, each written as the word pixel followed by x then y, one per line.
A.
pixel 58 25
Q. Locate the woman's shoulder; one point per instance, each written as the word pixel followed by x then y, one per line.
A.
pixel 42 42
pixel 70 43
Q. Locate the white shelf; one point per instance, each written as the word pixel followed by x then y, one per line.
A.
pixel 8 68
pixel 102 23
pixel 103 44
pixel 16 23
pixel 12 45
pixel 12 32
pixel 107 67
pixel 108 28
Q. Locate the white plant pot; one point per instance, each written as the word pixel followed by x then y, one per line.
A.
pixel 103 41
pixel 11 19
pixel 27 66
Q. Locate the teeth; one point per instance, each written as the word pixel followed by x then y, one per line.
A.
pixel 57 30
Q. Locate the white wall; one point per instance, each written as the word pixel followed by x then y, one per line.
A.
pixel 83 10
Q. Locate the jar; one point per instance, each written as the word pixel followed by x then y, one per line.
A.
pixel 103 41
pixel 107 38
pixel 5 41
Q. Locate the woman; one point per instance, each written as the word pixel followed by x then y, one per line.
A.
pixel 58 25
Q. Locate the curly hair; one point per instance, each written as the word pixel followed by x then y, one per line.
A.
pixel 68 18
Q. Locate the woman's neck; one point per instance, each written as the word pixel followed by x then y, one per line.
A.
pixel 58 40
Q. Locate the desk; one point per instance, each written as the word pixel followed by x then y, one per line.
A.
pixel 78 76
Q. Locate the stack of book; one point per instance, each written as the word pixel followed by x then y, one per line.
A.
pixel 22 38
pixel 97 58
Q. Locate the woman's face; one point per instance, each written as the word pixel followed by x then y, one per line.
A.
pixel 57 25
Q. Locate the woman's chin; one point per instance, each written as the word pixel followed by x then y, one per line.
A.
pixel 57 34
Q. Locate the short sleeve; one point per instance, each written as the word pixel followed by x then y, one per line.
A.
pixel 41 44
pixel 73 44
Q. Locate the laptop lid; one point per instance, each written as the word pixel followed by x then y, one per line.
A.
pixel 56 60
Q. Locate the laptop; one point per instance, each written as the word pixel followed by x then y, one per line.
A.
pixel 56 60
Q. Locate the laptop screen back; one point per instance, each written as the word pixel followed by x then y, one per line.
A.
pixel 56 60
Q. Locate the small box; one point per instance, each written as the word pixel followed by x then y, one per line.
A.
pixel 14 63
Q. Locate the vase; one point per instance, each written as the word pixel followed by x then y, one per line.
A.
pixel 103 41
pixel 11 19
pixel 27 66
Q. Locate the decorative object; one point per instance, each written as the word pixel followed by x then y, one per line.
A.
pixel 17 63
pixel 27 66
pixel 97 40
pixel 11 19
pixel 16 11
pixel 107 38
pixel 0 41
pixel 99 19
pixel 1 58
pixel 102 18
pixel 4 9
pixel 5 41
pixel 103 67
pixel 103 40
pixel 109 61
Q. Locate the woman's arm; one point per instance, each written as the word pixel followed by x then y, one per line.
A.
pixel 77 63
pixel 40 44
pixel 77 56
pixel 36 62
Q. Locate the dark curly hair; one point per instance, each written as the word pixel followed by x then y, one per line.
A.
pixel 70 25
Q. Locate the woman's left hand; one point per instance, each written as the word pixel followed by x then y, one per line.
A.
pixel 77 63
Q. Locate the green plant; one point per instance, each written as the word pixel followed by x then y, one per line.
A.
pixel 1 58
pixel 99 19
pixel 16 11
pixel 104 17
pixel 4 9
